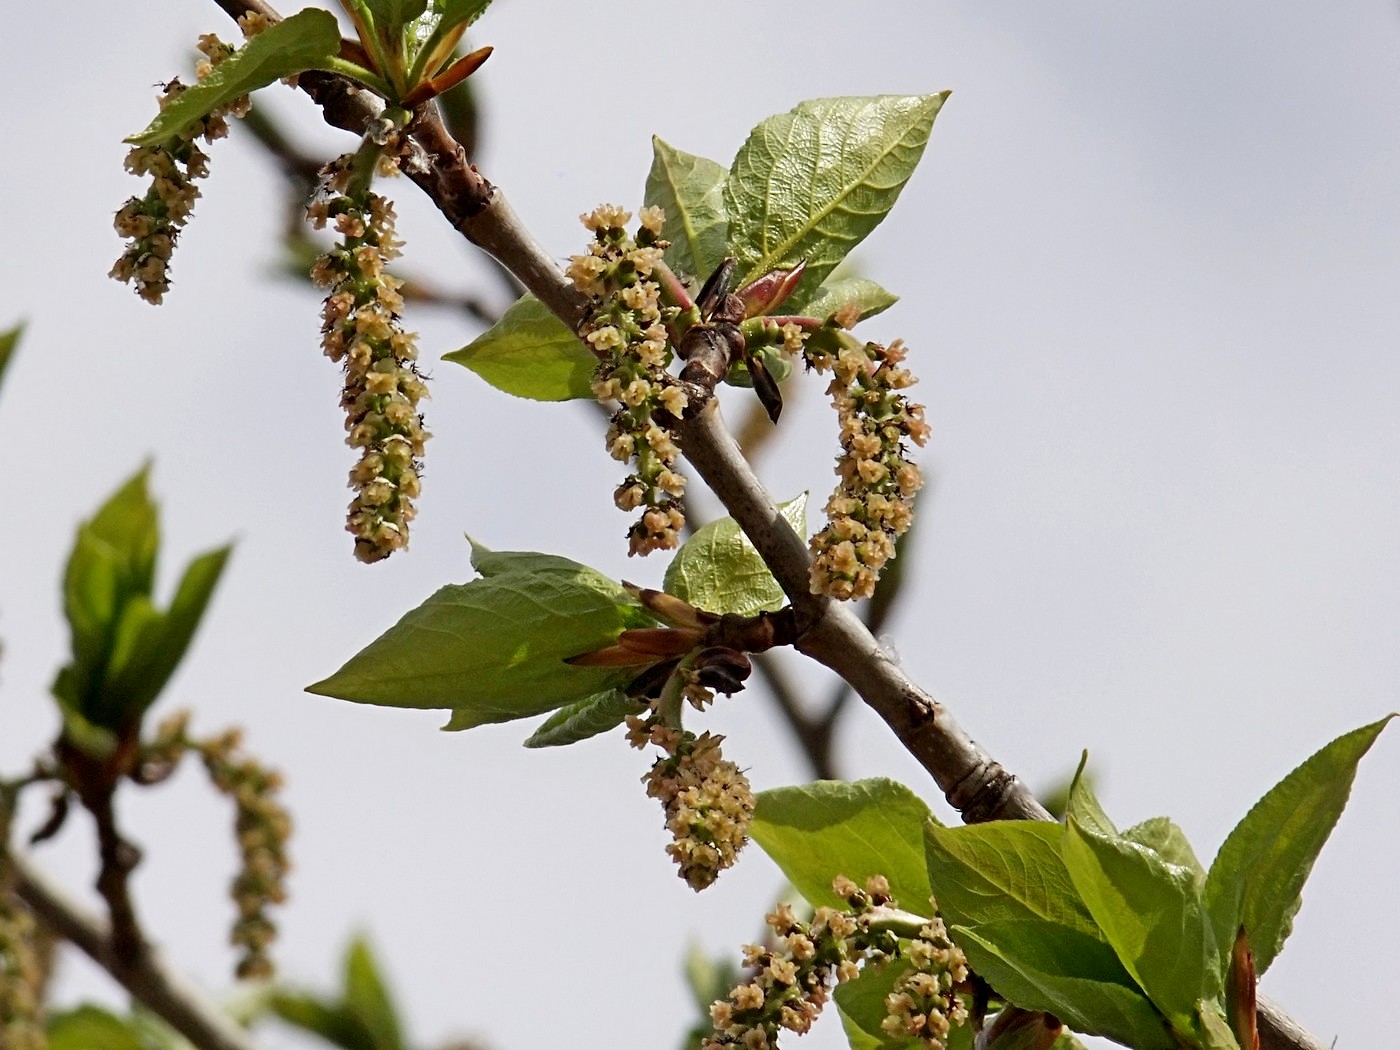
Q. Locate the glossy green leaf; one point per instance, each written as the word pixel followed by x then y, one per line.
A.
pixel 1258 875
pixel 493 650
pixel 586 718
pixel 1039 965
pixel 308 39
pixel 1152 914
pixel 1168 841
pixel 1005 869
pixel 719 570
pixel 811 183
pixel 91 1028
pixel 367 997
pixel 691 190
pixel 491 563
pixel 530 353
pixel 8 341
pixel 1083 807
pixel 841 292
pixel 818 831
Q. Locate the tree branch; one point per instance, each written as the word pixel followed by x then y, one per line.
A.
pixel 165 993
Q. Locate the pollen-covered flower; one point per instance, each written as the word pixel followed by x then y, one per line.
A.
pixel 791 977
pixel 152 223
pixel 626 330
pixel 706 798
pixel 873 502
pixel 361 329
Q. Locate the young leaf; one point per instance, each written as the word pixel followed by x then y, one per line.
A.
pixel 819 831
pixel 841 292
pixel 1168 841
pixel 1005 869
pixel 584 718
pixel 691 190
pixel 719 570
pixel 811 183
pixel 309 39
pixel 503 563
pixel 493 649
pixel 367 997
pixel 1152 914
pixel 1083 807
pixel 1257 876
pixel 1043 966
pixel 530 353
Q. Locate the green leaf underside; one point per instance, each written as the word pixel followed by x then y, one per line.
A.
pixel 719 570
pixel 306 40
pixel 813 182
pixel 862 1006
pixel 1152 914
pixel 691 191
pixel 493 650
pixel 582 719
pixel 1040 965
pixel 1215 1029
pixel 1258 875
pixel 819 831
pixel 1168 841
pixel 1003 870
pixel 530 353
pixel 839 292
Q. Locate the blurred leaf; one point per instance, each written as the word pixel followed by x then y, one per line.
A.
pixel 719 570
pixel 8 341
pixel 530 353
pixel 308 39
pixel 1044 966
pixel 1003 870
pixel 493 649
pixel 586 718
pixel 819 831
pixel 329 1020
pixel 91 1028
pixel 812 183
pixel 1152 914
pixel 691 190
pixel 1258 875
pixel 368 999
pixel 839 292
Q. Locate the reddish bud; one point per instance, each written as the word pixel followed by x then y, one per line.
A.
pixel 767 293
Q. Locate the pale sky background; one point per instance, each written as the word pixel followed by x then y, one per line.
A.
pixel 1149 269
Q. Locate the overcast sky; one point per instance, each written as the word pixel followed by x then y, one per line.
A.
pixel 1149 274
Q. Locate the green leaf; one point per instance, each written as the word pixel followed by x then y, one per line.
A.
pixel 1215 1029
pixel 331 1021
pixel 1152 914
pixel 1040 965
pixel 493 649
pixel 308 39
pixel 719 570
pixel 1083 807
pixel 1000 870
pixel 862 1006
pixel 91 1028
pixel 840 292
pixel 585 718
pixel 367 997
pixel 1168 841
pixel 811 183
pixel 8 341
pixel 819 831
pixel 530 353
pixel 1257 876
pixel 691 190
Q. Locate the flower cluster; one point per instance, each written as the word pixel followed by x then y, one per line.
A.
pixel 21 977
pixel 792 977
pixel 152 223
pixel 626 330
pixel 261 825
pixel 361 329
pixel 872 504
pixel 707 800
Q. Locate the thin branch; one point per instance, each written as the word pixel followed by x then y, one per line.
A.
pixel 164 992
pixel 977 786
